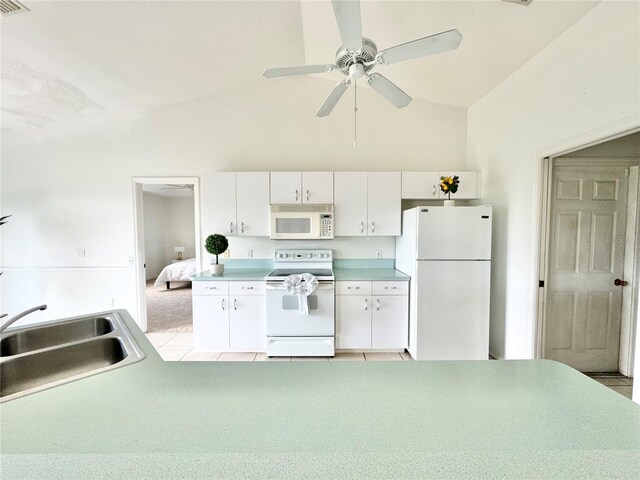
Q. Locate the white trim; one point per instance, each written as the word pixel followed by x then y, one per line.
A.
pixel 138 227
pixel 606 133
pixel 66 269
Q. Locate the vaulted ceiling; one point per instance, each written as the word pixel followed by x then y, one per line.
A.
pixel 68 59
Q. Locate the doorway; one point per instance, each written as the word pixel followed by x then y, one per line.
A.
pixel 590 244
pixel 166 214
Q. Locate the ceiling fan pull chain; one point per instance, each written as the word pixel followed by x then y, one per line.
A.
pixel 355 112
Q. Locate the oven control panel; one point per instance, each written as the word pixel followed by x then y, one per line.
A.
pixel 303 255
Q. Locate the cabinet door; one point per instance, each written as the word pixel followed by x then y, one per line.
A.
pixel 252 195
pixel 211 323
pixel 286 188
pixel 218 203
pixel 468 187
pixel 353 321
pixel 390 321
pixel 421 185
pixel 384 203
pixel 247 324
pixel 350 204
pixel 317 187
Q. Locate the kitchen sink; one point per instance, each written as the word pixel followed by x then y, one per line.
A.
pixel 46 355
pixel 37 338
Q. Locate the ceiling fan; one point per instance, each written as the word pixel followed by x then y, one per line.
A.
pixel 359 55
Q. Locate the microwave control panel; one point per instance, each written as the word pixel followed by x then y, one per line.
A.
pixel 326 225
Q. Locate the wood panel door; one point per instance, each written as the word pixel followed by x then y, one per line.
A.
pixel 586 256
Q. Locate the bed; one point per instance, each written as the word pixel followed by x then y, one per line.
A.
pixel 176 272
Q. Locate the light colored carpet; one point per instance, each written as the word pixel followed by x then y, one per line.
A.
pixel 169 310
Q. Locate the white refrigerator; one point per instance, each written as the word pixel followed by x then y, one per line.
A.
pixel 447 253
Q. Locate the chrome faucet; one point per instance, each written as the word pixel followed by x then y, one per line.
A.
pixel 6 323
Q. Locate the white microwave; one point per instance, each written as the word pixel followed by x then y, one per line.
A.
pixel 301 222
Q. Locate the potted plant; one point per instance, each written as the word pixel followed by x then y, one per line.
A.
pixel 216 244
pixel 449 185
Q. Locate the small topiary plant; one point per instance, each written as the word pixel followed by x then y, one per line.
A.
pixel 216 244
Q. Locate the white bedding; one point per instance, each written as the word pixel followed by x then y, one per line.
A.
pixel 176 272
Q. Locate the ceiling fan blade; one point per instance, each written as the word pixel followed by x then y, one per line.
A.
pixel 304 70
pixel 388 90
pixel 333 98
pixel 438 43
pixel 347 14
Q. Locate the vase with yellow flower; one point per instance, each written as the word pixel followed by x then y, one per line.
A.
pixel 449 185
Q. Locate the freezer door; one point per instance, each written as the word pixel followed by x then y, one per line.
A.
pixel 452 312
pixel 454 233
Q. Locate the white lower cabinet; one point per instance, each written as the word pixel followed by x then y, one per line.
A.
pixel 225 320
pixel 371 321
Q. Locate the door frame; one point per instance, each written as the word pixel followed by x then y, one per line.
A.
pixel 541 158
pixel 138 232
pixel 631 267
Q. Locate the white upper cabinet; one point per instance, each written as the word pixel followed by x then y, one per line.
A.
pixel 350 204
pixel 420 185
pixel 317 187
pixel 301 187
pixel 235 203
pixel 252 201
pixel 367 203
pixel 426 185
pixel 384 198
pixel 286 188
pixel 219 203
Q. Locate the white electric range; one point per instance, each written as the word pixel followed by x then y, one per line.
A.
pixel 290 333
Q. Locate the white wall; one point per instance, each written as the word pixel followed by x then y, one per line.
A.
pixel 179 228
pixel 586 81
pixel 155 257
pixel 73 189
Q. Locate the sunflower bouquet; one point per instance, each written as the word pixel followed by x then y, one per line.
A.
pixel 449 185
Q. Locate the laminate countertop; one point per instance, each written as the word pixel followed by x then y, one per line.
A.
pixel 482 419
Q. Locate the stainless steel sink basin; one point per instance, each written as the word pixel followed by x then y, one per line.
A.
pixel 46 355
pixel 28 339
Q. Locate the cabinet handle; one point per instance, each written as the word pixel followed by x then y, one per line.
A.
pixel 296 195
pixel 390 288
pixel 377 304
pixel 242 227
pixel 366 304
pixel 307 195
pixel 353 288
pixel 361 227
pixel 223 303
pixel 373 227
pixel 235 303
pixel 210 288
pixel 247 288
pixel 230 227
pixel 434 190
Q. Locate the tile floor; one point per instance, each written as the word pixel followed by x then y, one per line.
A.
pixel 179 347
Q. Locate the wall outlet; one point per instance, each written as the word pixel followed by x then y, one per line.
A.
pixel 249 252
pixel 80 253
pixel 379 254
pixel 111 303
pixel 130 260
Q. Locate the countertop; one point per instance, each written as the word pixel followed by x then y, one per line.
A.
pixel 483 419
pixel 248 274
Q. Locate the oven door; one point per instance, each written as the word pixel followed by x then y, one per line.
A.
pixel 295 225
pixel 283 312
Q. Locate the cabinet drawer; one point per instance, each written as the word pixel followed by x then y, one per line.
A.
pixel 353 288
pixel 246 288
pixel 209 288
pixel 390 288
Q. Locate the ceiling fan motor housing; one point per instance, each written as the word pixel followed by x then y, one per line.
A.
pixel 344 59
